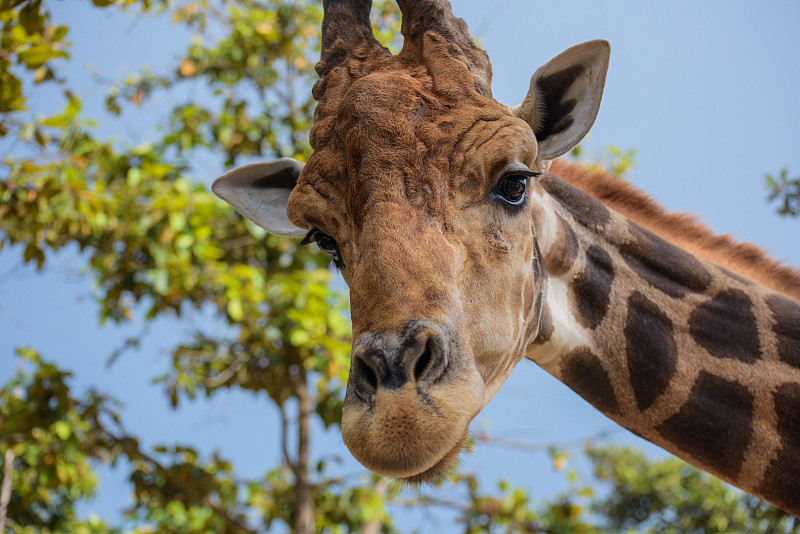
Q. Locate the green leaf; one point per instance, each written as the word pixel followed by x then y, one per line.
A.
pixel 298 338
pixel 57 121
pixel 160 279
pixel 28 353
pixel 11 97
pixel 33 253
pixel 62 430
pixel 134 177
pixel 177 221
pixel 235 309
pixel 59 33
pixel 37 55
pixel 30 18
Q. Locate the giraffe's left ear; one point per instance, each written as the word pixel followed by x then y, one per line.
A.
pixel 260 191
pixel 564 97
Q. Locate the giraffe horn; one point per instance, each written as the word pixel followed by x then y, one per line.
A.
pixel 345 29
pixel 423 16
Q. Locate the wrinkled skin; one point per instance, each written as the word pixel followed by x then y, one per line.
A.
pixel 405 186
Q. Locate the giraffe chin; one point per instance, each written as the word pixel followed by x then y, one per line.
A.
pixel 406 435
pixel 440 468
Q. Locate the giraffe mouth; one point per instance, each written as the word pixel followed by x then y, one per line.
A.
pixel 408 436
pixel 440 468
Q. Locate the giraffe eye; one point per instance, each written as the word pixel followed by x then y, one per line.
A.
pixel 512 187
pixel 325 243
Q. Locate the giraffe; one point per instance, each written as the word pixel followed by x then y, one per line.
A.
pixel 468 246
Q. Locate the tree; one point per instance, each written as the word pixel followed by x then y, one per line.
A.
pixel 784 191
pixel 152 237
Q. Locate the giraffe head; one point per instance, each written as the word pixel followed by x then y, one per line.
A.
pixel 419 188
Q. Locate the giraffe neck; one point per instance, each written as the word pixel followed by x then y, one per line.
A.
pixel 682 352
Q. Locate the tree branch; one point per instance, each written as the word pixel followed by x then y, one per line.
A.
pixel 285 440
pixel 5 491
pixel 304 503
pixel 543 446
pixel 374 526
pixel 231 524
pixel 8 467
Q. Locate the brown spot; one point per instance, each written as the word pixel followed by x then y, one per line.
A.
pixel 715 425
pixel 586 210
pixel 651 352
pixel 591 288
pixel 563 252
pixel 787 328
pixel 726 327
pixel 581 370
pixel 663 265
pixel 781 484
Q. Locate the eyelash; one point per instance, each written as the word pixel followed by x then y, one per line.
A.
pixel 314 235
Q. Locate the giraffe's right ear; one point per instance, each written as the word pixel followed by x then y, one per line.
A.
pixel 564 97
pixel 260 191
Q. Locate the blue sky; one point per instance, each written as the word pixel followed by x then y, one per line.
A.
pixel 705 92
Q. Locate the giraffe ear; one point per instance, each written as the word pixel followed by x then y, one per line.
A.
pixel 564 97
pixel 260 191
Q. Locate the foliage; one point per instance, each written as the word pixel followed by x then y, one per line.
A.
pixel 785 192
pixel 153 236
pixel 54 438
pixel 59 439
pixel 154 239
pixel 33 42
pixel 669 496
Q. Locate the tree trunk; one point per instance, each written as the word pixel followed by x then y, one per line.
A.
pixel 374 526
pixel 5 492
pixel 304 501
pixel 8 468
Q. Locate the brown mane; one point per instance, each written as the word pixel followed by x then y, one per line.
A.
pixel 682 229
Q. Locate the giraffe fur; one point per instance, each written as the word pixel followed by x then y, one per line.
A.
pixel 682 351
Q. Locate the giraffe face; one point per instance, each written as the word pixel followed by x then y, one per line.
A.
pixel 419 187
pixel 426 210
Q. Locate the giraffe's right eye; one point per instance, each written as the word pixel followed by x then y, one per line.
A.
pixel 325 243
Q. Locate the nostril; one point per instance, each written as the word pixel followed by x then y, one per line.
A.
pixel 366 375
pixel 390 360
pixel 424 361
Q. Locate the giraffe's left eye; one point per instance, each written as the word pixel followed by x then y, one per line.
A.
pixel 512 187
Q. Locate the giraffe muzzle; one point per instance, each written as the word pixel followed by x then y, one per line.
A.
pixel 410 397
